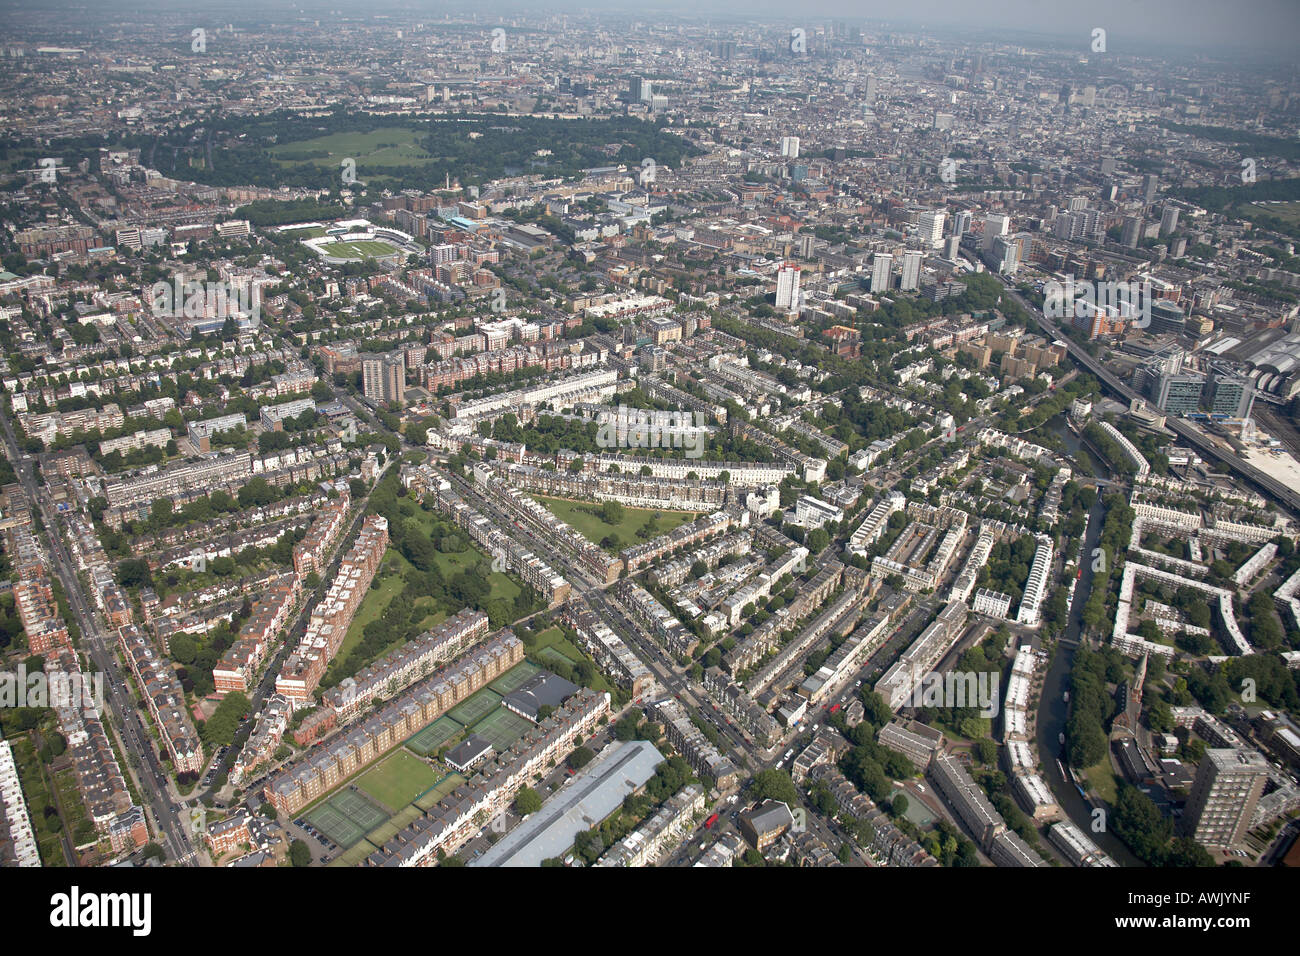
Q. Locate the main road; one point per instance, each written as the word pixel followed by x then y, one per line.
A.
pixel 171 816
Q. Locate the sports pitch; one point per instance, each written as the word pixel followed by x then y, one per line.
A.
pixel 501 728
pixel 428 740
pixel 398 780
pixel 478 706
pixel 346 817
pixel 360 249
pixel 514 678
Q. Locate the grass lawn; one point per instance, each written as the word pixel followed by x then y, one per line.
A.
pixel 386 146
pixel 360 249
pixel 1101 781
pixel 584 516
pixel 37 795
pixel 554 638
pixel 306 232
pixel 398 780
pixel 1286 211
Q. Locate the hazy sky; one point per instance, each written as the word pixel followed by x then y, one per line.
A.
pixel 1211 24
pixel 1241 27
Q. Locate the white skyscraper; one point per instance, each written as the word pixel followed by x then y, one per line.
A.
pixel 911 278
pixel 931 226
pixel 790 146
pixel 994 226
pixel 880 269
pixel 787 288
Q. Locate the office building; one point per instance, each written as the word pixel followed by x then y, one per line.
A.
pixel 880 269
pixel 931 227
pixel 994 226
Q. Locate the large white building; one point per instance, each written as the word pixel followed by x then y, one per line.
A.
pixel 1036 587
pixel 910 280
pixel 787 288
pixel 931 226
pixel 881 266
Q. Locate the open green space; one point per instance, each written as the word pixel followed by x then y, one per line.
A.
pixel 394 572
pixel 360 249
pixel 1101 780
pixel 1286 211
pixel 398 780
pixel 306 232
pixel 585 518
pixel 386 146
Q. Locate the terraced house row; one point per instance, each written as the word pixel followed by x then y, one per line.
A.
pixel 310 553
pixel 638 556
pixel 330 618
pixel 244 658
pixel 627 487
pixel 464 811
pixel 402 667
pixel 351 749
pixel 539 575
pixel 164 698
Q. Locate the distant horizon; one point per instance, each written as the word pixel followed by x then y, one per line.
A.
pixel 1267 27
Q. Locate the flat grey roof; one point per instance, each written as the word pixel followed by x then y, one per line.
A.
pixel 590 796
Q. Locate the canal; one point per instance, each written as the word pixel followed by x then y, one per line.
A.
pixel 1052 707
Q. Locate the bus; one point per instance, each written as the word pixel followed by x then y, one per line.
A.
pixel 708 824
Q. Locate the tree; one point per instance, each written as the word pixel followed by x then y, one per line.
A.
pixel 527 801
pixel 299 853
pixel 611 512
pixel 581 757
pixel 134 572
pixel 774 785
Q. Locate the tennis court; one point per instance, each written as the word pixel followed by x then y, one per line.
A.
pixel 514 678
pixel 476 708
pixel 501 728
pixel 428 740
pixel 555 656
pixel 346 817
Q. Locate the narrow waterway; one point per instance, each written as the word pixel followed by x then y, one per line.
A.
pixel 1052 708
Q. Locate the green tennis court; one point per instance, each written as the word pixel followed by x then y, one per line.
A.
pixel 346 817
pixel 554 655
pixel 513 678
pixel 476 708
pixel 428 740
pixel 502 728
